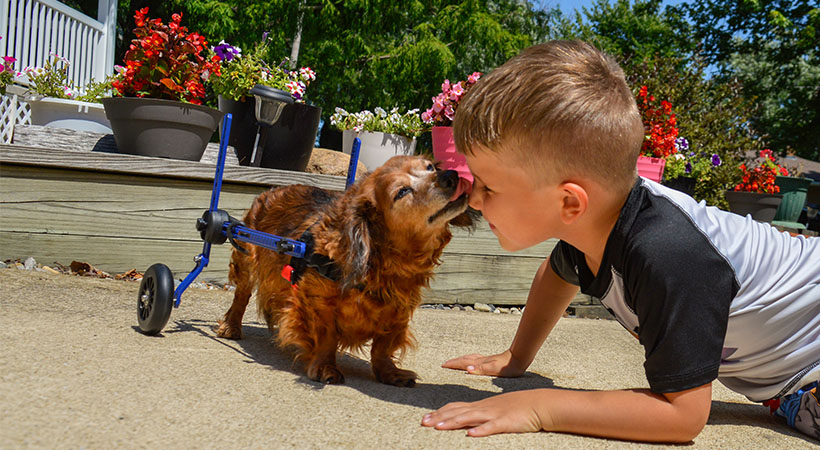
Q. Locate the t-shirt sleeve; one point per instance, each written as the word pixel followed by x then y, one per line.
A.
pixel 563 262
pixel 681 293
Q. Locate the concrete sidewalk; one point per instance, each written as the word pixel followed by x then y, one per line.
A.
pixel 76 373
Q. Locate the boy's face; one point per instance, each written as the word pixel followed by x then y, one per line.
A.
pixel 520 214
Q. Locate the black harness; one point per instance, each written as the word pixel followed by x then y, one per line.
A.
pixel 325 266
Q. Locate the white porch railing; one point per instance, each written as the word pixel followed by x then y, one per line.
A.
pixel 33 29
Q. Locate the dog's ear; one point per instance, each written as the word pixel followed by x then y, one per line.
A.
pixel 359 231
pixel 468 219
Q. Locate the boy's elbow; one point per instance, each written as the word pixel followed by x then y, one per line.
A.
pixel 688 429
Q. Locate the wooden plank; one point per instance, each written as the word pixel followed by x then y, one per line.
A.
pixel 149 166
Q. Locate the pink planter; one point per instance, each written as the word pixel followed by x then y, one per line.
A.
pixel 651 168
pixel 444 150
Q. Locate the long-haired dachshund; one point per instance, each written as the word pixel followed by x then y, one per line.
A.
pixel 374 248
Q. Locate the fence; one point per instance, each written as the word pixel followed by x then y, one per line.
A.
pixel 33 29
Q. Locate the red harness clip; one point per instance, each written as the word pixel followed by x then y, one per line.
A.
pixel 287 273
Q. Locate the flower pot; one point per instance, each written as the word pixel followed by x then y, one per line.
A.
pixel 161 128
pixel 762 207
pixel 651 168
pixel 377 147
pixel 682 184
pixel 243 126
pixel 289 141
pixel 794 190
pixel 71 114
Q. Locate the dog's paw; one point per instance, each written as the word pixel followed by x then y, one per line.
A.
pixel 397 377
pixel 226 331
pixel 325 373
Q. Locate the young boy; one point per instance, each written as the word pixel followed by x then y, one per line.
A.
pixel 552 138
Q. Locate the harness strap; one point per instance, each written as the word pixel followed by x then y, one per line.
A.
pixel 321 263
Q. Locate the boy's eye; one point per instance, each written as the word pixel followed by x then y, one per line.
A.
pixel 402 192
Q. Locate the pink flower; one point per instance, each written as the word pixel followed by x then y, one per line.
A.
pixel 438 105
pixel 445 87
pixel 449 112
pixel 307 74
pixel 472 79
pixel 9 59
pixel 427 116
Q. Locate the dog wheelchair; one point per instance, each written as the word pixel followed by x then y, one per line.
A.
pixel 157 294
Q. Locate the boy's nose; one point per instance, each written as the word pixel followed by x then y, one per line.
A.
pixel 475 201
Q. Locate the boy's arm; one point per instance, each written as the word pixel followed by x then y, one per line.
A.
pixel 548 298
pixel 636 414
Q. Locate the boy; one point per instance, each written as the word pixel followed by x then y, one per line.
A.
pixel 552 138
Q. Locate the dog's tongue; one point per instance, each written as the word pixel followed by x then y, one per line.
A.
pixel 457 161
pixel 464 185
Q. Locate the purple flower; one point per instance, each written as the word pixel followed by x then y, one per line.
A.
pixel 688 167
pixel 716 160
pixel 681 144
pixel 226 52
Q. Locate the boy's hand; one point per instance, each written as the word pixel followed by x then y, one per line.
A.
pixel 501 365
pixel 513 412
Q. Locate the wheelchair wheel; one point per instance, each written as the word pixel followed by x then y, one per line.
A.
pixel 155 299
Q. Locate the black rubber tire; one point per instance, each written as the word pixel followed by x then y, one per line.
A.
pixel 155 299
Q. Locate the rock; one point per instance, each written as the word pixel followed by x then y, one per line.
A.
pixel 29 263
pixel 503 310
pixel 483 307
pixel 468 308
pixel 515 312
pixel 332 162
pixel 3 265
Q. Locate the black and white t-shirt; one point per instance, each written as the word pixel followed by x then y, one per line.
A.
pixel 709 294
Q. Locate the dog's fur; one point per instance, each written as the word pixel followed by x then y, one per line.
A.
pixel 385 234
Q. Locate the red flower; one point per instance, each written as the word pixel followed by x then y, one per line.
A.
pixel 164 61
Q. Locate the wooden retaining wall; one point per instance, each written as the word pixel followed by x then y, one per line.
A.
pixel 119 212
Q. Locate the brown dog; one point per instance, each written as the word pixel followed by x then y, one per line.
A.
pixel 376 246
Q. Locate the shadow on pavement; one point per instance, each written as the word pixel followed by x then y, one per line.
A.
pixel 257 346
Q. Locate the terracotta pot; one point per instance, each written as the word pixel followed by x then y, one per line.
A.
pixel 651 168
pixel 161 128
pixel 762 207
pixel 377 147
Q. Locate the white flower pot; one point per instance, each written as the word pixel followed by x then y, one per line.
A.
pixel 378 147
pixel 71 114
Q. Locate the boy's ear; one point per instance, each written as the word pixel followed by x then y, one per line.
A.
pixel 574 202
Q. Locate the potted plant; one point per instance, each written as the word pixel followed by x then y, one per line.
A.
pixel 7 72
pixel 383 134
pixel 441 116
pixel 54 102
pixel 757 194
pixel 289 142
pixel 685 168
pixel 661 133
pixel 794 188
pixel 158 110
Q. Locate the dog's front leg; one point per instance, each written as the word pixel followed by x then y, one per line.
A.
pixel 322 364
pixel 381 359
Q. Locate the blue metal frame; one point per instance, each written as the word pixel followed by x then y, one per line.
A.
pixel 245 234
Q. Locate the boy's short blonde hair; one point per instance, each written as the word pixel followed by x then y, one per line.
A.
pixel 559 110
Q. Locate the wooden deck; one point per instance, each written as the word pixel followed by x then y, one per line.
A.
pixel 61 203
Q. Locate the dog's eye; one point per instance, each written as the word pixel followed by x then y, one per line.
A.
pixel 430 168
pixel 402 192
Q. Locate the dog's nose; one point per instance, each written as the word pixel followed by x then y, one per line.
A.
pixel 447 179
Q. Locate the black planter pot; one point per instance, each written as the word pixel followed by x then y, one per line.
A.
pixel 243 127
pixel 161 128
pixel 762 207
pixel 683 184
pixel 289 141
